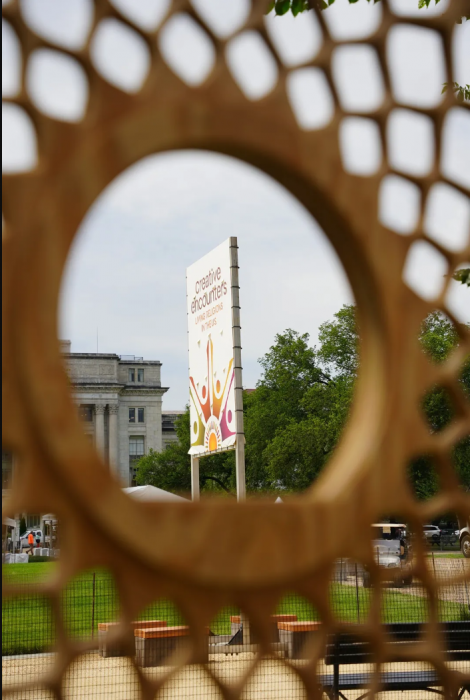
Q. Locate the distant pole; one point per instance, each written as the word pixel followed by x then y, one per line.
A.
pixel 357 598
pixel 97 341
pixel 195 489
pixel 465 583
pixel 93 607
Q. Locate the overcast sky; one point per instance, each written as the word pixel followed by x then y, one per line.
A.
pixel 126 275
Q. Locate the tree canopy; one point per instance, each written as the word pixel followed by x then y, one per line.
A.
pixel 295 416
pixel 438 339
pixel 282 7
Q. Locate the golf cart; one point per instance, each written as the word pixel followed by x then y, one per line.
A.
pixel 392 552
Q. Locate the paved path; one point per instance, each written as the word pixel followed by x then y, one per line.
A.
pixel 94 678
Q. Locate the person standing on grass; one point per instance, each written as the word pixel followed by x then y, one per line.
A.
pixel 31 542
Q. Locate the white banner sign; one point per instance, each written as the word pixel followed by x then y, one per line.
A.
pixel 214 350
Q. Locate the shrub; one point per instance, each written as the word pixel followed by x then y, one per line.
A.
pixel 39 560
pixel 464 613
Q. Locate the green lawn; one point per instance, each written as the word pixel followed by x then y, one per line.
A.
pixel 351 605
pixel 27 621
pixel 28 625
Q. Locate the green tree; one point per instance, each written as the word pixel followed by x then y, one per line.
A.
pixel 22 525
pixel 290 369
pixel 294 418
pixel 282 7
pixel 438 338
pixel 339 343
pixel 298 452
pixel 463 275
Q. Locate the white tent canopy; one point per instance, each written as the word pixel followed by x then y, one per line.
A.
pixel 9 522
pixel 152 494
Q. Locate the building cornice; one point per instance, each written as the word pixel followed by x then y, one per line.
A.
pixel 134 391
pixel 121 389
pixel 90 355
pixel 140 363
pixel 98 386
pixel 109 356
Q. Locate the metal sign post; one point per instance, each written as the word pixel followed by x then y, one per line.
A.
pixel 237 356
pixel 240 469
pixel 195 492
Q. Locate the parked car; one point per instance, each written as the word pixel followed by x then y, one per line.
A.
pixel 432 533
pixel 393 553
pixel 464 536
pixel 37 534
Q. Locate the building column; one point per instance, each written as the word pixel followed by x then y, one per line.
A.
pixel 113 436
pixel 99 428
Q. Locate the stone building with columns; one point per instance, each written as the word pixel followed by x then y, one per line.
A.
pixel 119 399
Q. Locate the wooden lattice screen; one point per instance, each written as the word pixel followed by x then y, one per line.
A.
pixel 207 555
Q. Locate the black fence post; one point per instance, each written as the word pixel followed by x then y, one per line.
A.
pixel 357 598
pixel 93 607
pixel 336 693
pixel 465 584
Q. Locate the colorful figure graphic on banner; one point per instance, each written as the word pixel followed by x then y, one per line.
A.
pixel 213 405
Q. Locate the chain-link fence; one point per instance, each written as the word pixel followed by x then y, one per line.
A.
pixel 89 611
